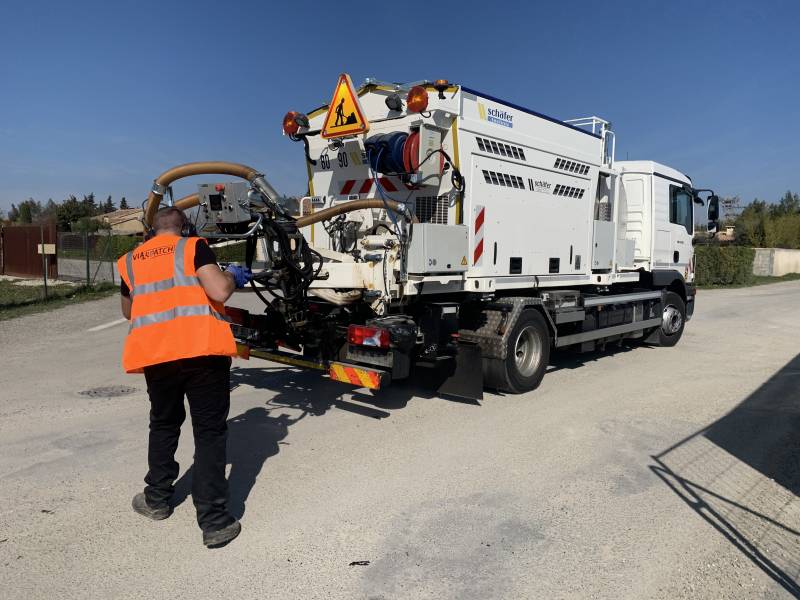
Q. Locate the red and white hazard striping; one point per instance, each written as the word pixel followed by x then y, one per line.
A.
pixel 364 186
pixel 477 253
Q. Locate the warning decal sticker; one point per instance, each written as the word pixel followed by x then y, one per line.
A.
pixel 345 116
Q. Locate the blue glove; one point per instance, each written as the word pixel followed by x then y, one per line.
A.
pixel 241 275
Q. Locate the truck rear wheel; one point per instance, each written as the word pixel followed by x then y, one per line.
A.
pixel 673 320
pixel 527 356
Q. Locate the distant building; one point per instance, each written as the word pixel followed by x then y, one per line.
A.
pixel 726 234
pixel 127 220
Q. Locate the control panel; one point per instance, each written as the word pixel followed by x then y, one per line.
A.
pixel 223 207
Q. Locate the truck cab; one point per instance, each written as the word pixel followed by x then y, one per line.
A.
pixel 659 216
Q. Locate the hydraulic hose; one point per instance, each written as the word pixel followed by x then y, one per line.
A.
pixel 193 200
pixel 163 181
pixel 345 207
pixel 188 202
pixel 257 180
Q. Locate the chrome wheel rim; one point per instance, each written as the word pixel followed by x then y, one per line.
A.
pixel 671 320
pixel 527 352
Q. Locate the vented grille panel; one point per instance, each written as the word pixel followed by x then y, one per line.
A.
pixel 500 148
pixel 432 209
pixel 570 166
pixel 504 179
pixel 570 192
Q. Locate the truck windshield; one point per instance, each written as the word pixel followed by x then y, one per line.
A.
pixel 680 207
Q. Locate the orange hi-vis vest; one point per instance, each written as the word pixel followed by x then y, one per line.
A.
pixel 171 315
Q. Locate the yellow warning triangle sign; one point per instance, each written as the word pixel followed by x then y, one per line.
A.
pixel 345 116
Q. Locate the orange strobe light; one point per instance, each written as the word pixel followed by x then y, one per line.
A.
pixel 293 121
pixel 417 100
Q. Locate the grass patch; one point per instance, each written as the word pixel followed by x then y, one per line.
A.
pixel 19 300
pixel 754 280
pixel 230 253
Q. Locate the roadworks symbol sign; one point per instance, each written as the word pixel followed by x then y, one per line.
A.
pixel 464 261
pixel 345 116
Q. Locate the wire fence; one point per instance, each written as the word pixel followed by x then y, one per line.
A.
pixel 91 257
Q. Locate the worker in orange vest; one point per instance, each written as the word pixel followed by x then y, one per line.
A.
pixel 173 293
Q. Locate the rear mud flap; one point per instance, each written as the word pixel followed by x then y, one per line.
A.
pixel 464 375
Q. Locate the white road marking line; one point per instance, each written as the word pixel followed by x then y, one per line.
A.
pixel 107 325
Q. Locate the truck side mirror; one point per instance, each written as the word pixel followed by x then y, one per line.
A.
pixel 713 213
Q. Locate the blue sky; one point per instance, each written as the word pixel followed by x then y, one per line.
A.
pixel 103 96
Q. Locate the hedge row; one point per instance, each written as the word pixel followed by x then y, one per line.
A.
pixel 723 265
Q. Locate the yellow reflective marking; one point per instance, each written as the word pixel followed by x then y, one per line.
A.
pixel 460 201
pixel 365 377
pixel 338 373
pixel 287 360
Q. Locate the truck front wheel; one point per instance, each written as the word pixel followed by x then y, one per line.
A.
pixel 527 356
pixel 673 319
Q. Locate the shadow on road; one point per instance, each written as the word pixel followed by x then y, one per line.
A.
pixel 571 358
pixel 255 435
pixel 741 474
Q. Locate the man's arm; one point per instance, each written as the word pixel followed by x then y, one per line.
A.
pixel 125 300
pixel 218 285
pixel 125 305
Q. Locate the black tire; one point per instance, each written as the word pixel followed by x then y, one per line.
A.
pixel 527 356
pixel 673 320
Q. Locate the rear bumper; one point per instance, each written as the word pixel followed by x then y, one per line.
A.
pixel 358 375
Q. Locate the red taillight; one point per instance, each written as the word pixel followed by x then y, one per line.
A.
pixel 293 121
pixel 417 100
pixel 360 335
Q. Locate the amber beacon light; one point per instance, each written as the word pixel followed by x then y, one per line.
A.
pixel 417 100
pixel 293 121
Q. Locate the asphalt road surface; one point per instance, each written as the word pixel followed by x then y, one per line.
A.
pixel 638 473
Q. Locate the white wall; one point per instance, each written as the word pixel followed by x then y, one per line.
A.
pixel 776 262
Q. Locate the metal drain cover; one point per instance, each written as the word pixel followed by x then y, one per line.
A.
pixel 108 391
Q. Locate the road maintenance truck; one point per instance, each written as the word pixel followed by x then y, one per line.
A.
pixel 446 228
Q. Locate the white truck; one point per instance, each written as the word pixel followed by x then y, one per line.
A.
pixel 445 227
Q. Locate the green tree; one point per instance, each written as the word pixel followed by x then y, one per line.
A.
pixel 13 214
pixel 25 213
pixel 751 225
pixel 69 212
pixel 123 204
pixel 90 204
pixel 108 205
pixel 770 225
pixel 50 211
pixel 789 204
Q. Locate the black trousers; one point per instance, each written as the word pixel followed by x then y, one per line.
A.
pixel 205 381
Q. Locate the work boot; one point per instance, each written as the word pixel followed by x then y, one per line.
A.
pixel 141 506
pixel 220 537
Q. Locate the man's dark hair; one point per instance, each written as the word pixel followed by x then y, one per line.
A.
pixel 169 218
